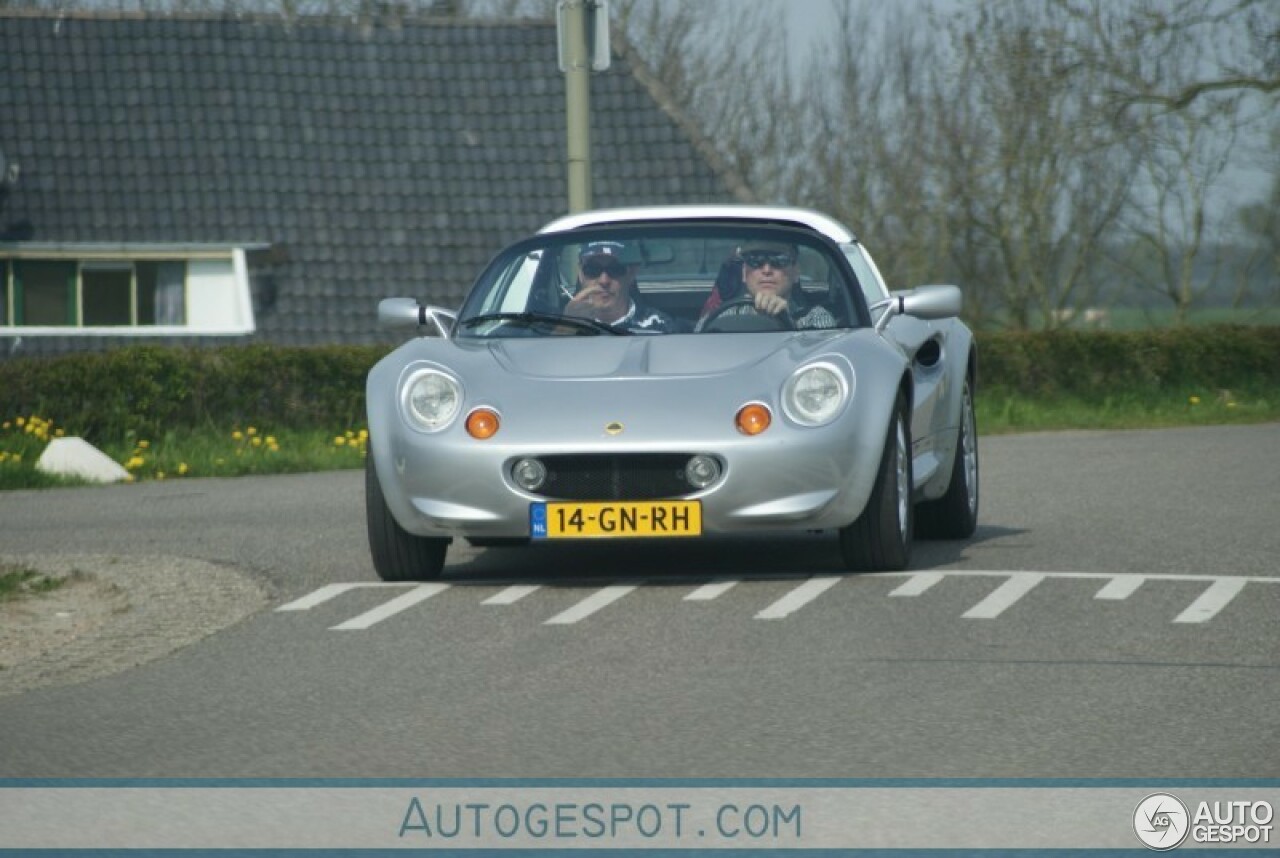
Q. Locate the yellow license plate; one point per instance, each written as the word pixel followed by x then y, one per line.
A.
pixel 615 519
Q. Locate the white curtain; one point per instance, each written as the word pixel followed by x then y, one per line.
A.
pixel 171 293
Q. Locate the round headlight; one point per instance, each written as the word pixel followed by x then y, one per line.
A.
pixel 432 399
pixel 815 394
pixel 529 474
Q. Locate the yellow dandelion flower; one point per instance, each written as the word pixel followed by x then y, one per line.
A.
pixel 251 431
pixel 142 445
pixel 1195 400
pixel 350 434
pixel 182 469
pixel 3 455
pixel 135 463
pixel 257 442
pixel 271 441
pixel 159 475
pixel 339 441
pixel 21 421
pixel 5 425
pixel 59 433
pixel 364 434
pixel 237 435
pixel 16 457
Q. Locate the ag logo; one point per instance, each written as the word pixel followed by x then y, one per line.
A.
pixel 1161 821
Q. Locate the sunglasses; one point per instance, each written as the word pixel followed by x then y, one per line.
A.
pixel 761 258
pixel 593 269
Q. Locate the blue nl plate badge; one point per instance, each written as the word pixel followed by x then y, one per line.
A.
pixel 538 520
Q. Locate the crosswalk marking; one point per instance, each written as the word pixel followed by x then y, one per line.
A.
pixel 420 593
pixel 1003 597
pixel 707 592
pixel 511 594
pixel 799 597
pixel 590 605
pixel 1120 587
pixel 1212 600
pixel 1220 591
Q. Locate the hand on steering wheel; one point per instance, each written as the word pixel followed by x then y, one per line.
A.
pixel 747 306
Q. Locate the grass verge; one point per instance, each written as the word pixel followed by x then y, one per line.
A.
pixel 1003 412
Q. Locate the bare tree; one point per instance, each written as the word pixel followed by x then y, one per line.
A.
pixel 1237 41
pixel 1185 75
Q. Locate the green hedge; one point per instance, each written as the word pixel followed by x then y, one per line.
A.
pixel 1096 364
pixel 148 390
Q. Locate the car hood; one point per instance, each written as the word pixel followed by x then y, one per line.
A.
pixel 644 356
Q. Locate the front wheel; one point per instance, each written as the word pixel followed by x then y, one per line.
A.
pixel 955 514
pixel 397 554
pixel 880 538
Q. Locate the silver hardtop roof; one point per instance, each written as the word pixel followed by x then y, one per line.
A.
pixel 816 221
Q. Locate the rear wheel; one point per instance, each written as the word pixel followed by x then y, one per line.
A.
pixel 880 539
pixel 397 554
pixel 955 514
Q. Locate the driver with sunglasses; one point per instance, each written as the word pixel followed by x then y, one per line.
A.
pixel 607 291
pixel 769 271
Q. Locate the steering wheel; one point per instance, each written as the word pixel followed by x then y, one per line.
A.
pixel 730 316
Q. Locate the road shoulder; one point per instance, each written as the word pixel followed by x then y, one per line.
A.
pixel 115 613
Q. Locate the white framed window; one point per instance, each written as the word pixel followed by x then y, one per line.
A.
pixel 87 290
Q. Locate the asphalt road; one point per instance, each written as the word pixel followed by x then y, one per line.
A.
pixel 1157 656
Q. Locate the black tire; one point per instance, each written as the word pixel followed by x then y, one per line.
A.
pixel 397 554
pixel 880 539
pixel 955 514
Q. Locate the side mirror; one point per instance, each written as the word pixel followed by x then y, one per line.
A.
pixel 923 302
pixel 396 313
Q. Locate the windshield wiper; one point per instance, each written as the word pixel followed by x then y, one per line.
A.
pixel 578 322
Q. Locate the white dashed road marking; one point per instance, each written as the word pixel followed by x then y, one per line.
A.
pixel 1003 597
pixel 707 592
pixel 1212 600
pixel 1120 588
pixel 420 593
pixel 590 605
pixel 917 583
pixel 511 595
pixel 799 597
pixel 319 597
pixel 1220 591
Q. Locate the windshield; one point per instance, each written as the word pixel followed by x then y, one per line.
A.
pixel 664 279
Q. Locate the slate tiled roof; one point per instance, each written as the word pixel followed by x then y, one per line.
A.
pixel 380 160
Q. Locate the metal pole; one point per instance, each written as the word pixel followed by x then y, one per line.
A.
pixel 577 78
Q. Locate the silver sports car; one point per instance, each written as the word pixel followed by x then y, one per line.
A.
pixel 674 372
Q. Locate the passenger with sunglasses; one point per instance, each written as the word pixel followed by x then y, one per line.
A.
pixel 769 273
pixel 607 291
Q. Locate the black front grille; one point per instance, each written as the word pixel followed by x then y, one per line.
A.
pixel 633 476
